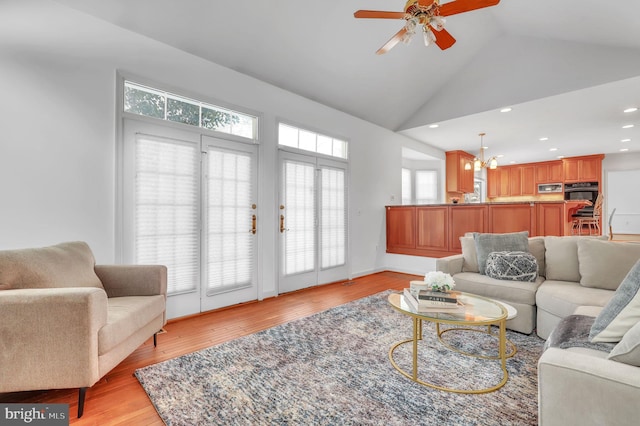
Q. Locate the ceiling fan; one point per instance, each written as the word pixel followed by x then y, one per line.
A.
pixel 427 14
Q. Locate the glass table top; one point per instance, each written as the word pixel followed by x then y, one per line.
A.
pixel 476 309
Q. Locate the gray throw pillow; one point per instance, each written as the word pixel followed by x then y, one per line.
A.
pixel 488 243
pixel 512 265
pixel 621 312
pixel 628 350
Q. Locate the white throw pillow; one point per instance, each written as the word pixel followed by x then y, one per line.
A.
pixel 628 350
pixel 621 312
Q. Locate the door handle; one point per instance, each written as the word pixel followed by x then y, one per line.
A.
pixel 282 229
pixel 254 224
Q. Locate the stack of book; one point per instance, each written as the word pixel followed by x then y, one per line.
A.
pixel 433 301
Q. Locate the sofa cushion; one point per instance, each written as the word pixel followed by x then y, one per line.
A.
pixel 628 349
pixel 512 265
pixel 68 264
pixel 622 312
pixel 561 256
pixel 523 292
pixel 604 264
pixel 562 298
pixel 536 248
pixel 125 316
pixel 488 243
pixel 469 255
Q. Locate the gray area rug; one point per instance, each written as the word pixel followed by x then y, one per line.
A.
pixel 332 368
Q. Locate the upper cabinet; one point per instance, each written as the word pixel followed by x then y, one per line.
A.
pixel 549 172
pixel 459 172
pixel 522 180
pixel 583 169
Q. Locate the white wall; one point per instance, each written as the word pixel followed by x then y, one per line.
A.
pixel 621 174
pixel 58 140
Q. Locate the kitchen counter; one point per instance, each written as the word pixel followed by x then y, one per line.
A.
pixel 434 230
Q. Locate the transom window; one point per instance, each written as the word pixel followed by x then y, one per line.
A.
pixel 156 103
pixel 311 141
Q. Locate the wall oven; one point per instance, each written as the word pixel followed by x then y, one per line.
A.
pixel 581 191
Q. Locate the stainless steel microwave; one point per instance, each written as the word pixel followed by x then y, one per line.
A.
pixel 549 188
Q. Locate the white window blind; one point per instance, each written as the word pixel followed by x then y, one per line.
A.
pixel 426 186
pixel 166 209
pixel 406 186
pixel 333 217
pixel 300 205
pixel 230 256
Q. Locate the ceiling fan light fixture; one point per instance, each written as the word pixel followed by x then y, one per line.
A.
pixel 437 22
pixel 428 36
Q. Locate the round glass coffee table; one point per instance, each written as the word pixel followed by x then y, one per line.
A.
pixel 479 312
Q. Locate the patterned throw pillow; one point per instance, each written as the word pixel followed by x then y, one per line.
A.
pixel 512 265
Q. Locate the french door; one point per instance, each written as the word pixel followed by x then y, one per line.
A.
pixel 312 221
pixel 188 202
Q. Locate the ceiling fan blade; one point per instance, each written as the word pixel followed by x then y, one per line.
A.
pixel 460 6
pixel 392 42
pixel 378 14
pixel 426 3
pixel 444 39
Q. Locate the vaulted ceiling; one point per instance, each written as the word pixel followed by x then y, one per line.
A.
pixel 567 68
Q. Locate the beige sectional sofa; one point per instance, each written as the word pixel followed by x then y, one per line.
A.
pixel 66 322
pixel 576 276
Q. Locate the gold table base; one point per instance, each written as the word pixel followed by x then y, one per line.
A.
pixel 417 335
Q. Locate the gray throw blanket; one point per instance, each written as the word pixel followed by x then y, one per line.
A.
pixel 573 331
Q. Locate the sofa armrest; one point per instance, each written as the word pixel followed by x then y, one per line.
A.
pixel 576 388
pixel 133 280
pixel 451 264
pixel 49 337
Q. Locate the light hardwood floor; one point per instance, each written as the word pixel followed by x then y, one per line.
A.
pixel 118 398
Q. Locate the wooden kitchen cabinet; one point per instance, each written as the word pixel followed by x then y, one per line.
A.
pixel 549 172
pixel 498 182
pixel 432 228
pixel 515 181
pixel 459 165
pixel 511 218
pixel 401 228
pixel 550 219
pixel 466 218
pixel 583 169
pixel 528 177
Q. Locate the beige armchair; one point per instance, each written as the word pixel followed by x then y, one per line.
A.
pixel 66 322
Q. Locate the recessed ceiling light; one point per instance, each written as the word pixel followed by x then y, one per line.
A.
pixel 627 126
pixel 625 140
pixel 434 126
pixel 512 162
pixel 560 156
pixel 500 155
pixel 507 109
pixel 624 149
pixel 632 109
pixel 544 139
pixel 553 149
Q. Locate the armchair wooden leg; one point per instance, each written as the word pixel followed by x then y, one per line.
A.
pixel 155 340
pixel 81 394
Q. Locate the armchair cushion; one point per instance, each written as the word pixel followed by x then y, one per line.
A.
pixel 64 265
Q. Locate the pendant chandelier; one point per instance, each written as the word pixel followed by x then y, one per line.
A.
pixel 479 163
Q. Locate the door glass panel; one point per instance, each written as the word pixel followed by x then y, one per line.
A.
pixel 230 242
pixel 166 209
pixel 300 206
pixel 333 217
